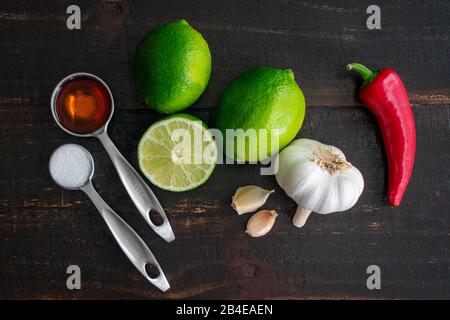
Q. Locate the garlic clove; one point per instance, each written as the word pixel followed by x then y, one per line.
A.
pixel 249 198
pixel 261 223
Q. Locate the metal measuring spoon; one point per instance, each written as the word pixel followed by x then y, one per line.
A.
pixel 72 167
pixel 139 192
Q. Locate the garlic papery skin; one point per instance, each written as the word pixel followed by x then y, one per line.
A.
pixel 249 198
pixel 261 223
pixel 318 178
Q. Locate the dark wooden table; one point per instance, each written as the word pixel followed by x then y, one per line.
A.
pixel 44 229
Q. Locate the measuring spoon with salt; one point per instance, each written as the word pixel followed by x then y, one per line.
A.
pixel 82 105
pixel 72 167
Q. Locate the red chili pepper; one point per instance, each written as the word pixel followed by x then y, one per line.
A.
pixel 385 95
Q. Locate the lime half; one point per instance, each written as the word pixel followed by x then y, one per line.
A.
pixel 177 153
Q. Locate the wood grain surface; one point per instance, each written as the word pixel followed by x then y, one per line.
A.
pixel 44 229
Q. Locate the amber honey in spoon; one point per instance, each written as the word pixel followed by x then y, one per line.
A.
pixel 83 105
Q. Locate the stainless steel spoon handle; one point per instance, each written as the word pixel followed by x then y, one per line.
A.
pixel 141 194
pixel 129 241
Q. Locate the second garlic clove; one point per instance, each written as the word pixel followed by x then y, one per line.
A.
pixel 249 198
pixel 261 223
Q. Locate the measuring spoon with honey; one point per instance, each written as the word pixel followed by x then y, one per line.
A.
pixel 82 105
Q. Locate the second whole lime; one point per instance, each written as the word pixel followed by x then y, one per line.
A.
pixel 172 67
pixel 260 98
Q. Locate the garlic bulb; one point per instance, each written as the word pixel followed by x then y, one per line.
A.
pixel 318 178
pixel 261 223
pixel 249 198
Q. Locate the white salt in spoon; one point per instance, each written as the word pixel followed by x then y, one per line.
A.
pixel 72 167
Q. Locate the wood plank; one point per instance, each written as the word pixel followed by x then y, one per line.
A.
pixel 316 41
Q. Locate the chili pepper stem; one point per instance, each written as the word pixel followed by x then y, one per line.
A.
pixel 366 74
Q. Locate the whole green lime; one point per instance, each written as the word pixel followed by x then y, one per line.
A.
pixel 260 98
pixel 172 66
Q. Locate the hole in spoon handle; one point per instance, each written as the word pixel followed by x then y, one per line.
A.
pixel 155 275
pixel 156 218
pixel 152 270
